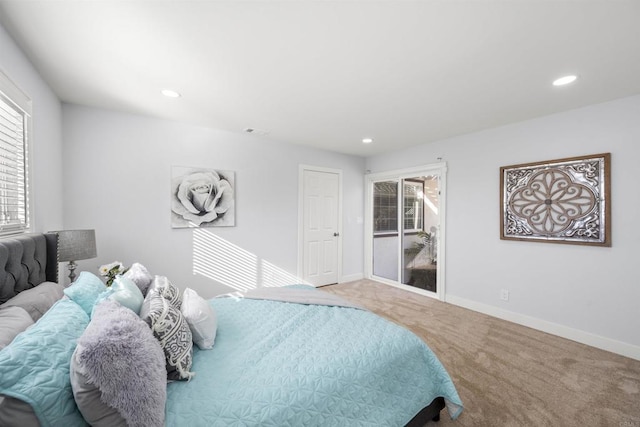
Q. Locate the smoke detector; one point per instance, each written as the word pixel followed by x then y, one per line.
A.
pixel 255 131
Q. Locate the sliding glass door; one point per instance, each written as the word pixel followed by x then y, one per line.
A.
pixel 405 229
pixel 385 229
pixel 419 233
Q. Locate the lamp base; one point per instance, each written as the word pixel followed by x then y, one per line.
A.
pixel 72 273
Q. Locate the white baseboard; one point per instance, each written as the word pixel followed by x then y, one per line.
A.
pixel 608 344
pixel 351 278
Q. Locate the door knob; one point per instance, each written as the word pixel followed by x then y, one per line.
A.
pixel 336 234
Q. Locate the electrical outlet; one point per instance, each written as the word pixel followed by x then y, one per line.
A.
pixel 504 295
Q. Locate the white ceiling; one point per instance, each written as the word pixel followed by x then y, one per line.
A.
pixel 328 73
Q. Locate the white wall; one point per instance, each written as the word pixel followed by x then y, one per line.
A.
pixel 46 139
pixel 117 181
pixel 590 294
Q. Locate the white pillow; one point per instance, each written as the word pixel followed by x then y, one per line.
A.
pixel 201 318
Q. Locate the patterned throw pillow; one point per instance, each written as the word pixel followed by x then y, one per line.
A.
pixel 172 331
pixel 167 290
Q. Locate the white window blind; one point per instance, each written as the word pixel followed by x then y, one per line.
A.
pixel 14 195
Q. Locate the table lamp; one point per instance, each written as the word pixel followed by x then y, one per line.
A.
pixel 75 245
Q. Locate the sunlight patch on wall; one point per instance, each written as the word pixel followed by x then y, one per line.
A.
pixel 224 262
pixel 275 277
pixel 220 260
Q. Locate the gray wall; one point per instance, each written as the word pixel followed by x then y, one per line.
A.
pixel 575 291
pixel 46 140
pixel 117 182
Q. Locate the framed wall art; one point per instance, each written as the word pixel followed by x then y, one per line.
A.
pixel 557 201
pixel 202 197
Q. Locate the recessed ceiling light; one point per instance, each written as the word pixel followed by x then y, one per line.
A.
pixel 367 140
pixel 170 93
pixel 565 80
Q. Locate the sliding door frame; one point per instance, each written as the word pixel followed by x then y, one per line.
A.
pixel 439 169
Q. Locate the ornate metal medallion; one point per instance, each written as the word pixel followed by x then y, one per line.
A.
pixel 561 201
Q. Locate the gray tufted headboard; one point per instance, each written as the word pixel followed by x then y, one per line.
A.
pixel 26 261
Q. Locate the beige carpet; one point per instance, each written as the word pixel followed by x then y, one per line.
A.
pixel 507 374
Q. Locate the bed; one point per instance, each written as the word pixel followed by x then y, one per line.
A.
pixel 291 356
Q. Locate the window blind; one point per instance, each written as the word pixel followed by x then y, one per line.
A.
pixel 385 206
pixel 413 194
pixel 14 209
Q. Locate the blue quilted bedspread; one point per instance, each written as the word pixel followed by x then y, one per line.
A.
pixel 283 364
pixel 35 366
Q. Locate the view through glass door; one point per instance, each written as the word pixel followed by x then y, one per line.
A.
pixel 406 225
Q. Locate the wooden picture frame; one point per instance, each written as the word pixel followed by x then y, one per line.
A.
pixel 557 201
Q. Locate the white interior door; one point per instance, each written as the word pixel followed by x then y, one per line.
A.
pixel 321 206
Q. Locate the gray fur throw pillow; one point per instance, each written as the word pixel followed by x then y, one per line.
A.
pixel 120 361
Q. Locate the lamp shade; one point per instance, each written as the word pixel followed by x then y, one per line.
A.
pixel 74 245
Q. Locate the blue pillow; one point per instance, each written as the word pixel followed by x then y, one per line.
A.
pixel 85 291
pixel 124 291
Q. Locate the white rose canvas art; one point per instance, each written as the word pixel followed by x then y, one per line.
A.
pixel 202 197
